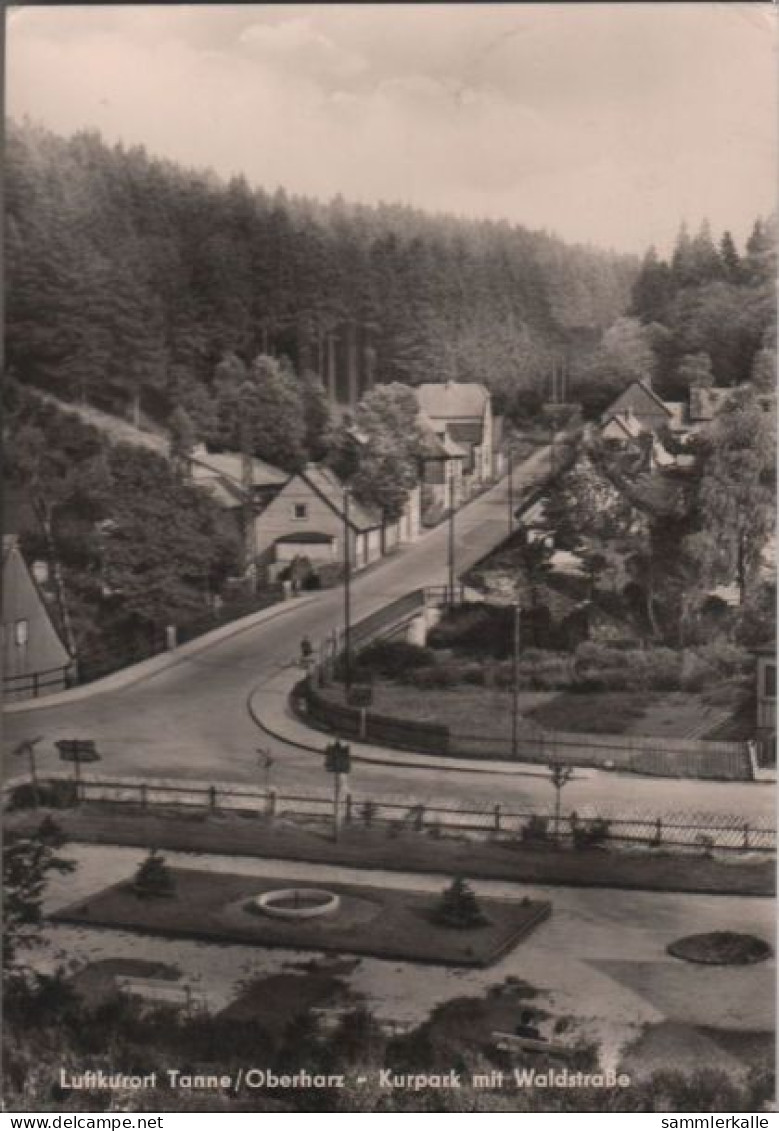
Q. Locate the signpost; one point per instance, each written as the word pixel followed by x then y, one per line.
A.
pixel 338 762
pixel 28 747
pixel 267 762
pixel 77 750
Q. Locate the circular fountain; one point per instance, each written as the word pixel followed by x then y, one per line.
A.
pixel 298 903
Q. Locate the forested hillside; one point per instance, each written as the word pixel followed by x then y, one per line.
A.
pixel 130 279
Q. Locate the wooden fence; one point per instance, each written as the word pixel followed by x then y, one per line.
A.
pixel 685 830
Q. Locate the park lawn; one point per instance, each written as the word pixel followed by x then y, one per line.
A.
pixel 212 907
pixel 477 711
pixel 486 712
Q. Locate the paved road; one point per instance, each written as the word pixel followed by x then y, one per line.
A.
pixel 191 720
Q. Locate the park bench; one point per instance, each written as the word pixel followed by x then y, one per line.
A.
pixel 516 1042
pixel 163 992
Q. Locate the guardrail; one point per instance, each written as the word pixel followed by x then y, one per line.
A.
pixel 31 684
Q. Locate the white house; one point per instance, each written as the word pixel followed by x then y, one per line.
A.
pixel 463 410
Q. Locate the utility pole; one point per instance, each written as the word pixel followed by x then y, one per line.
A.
pixel 450 548
pixel 511 492
pixel 515 685
pixel 347 599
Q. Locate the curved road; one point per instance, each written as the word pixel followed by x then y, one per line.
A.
pixel 191 720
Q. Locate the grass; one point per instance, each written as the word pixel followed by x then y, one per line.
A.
pixel 219 907
pixel 277 999
pixel 598 712
pixel 472 711
pixel 721 948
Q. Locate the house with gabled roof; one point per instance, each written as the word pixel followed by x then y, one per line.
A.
pixel 35 660
pixel 308 517
pixel 462 409
pixel 228 476
pixel 645 406
pixel 441 466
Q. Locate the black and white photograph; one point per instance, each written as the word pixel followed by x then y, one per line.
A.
pixel 389 560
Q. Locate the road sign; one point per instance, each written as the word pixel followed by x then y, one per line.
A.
pixel 77 750
pixel 338 758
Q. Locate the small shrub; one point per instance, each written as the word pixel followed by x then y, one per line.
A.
pixel 438 676
pixel 459 907
pixel 50 795
pixel 591 834
pixel 393 659
pixel 153 879
pixel 536 830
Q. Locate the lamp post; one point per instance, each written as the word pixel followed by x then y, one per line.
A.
pixel 347 599
pixel 450 545
pixel 561 775
pixel 28 747
pixel 515 685
pixel 511 492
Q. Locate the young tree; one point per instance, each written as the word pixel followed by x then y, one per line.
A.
pixel 379 454
pixel 29 859
pixel 459 906
pixel 737 490
pixel 153 878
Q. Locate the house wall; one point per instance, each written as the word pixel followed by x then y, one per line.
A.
pixel 766 693
pixel 30 643
pixel 278 520
pixel 486 445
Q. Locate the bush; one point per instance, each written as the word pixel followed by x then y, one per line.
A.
pixel 50 795
pixel 476 628
pixel 591 834
pixel 154 879
pixel 459 907
pixel 393 659
pixel 536 831
pixel 727 659
pixel 437 676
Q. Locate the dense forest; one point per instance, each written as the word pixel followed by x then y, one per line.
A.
pixel 131 279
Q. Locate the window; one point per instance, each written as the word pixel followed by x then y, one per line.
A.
pixel 21 632
pixel 769 686
pixel 300 511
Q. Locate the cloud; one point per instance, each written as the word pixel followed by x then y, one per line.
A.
pixel 604 122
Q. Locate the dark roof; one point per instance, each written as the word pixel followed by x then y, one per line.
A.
pixel 466 433
pixel 633 396
pixel 310 536
pixel 330 488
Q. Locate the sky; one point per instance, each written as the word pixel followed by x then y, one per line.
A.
pixel 607 124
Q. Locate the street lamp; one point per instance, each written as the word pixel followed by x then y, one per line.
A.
pixel 561 775
pixel 347 598
pixel 450 545
pixel 28 747
pixel 511 491
pixel 515 689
